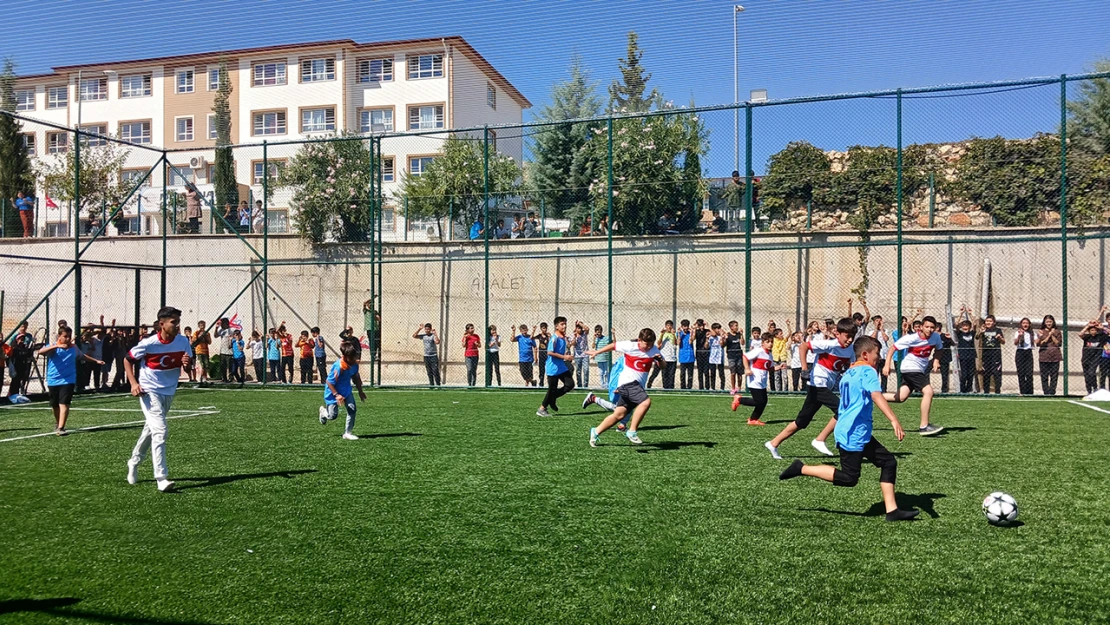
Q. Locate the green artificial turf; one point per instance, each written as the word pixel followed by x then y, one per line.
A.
pixel 460 507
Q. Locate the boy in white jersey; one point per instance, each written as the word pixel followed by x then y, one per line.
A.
pixel 834 356
pixel 920 358
pixel 159 358
pixel 757 367
pixel 638 357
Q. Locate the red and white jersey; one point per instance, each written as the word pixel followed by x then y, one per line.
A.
pixel 832 360
pixel 918 351
pixel 637 363
pixel 761 364
pixel 160 362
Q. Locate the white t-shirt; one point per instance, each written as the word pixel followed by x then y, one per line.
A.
pixel 258 350
pixel 760 362
pixel 1025 339
pixel 755 343
pixel 669 351
pixel 795 356
pixel 918 351
pixel 716 353
pixel 831 361
pixel 637 363
pixel 811 357
pixel 160 362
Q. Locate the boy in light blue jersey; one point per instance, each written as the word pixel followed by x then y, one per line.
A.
pixel 859 391
pixel 61 375
pixel 338 392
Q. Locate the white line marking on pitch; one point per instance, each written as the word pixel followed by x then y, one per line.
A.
pixel 93 428
pixel 1079 403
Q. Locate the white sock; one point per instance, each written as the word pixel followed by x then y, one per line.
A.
pixel 605 403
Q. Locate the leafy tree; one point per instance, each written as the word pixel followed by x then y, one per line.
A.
pixel 1012 180
pixel 454 181
pixel 226 187
pixel 1089 121
pixel 101 176
pixel 794 175
pixel 628 94
pixel 331 183
pixel 15 164
pixel 559 173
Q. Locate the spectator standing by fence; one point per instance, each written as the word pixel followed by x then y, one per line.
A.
pixel 493 354
pixel 1049 340
pixel 1024 341
pixel 192 209
pixel 21 357
pixel 285 340
pixel 966 354
pixel 944 358
pixel 238 358
pixel 257 349
pixel 542 338
pixel 701 353
pixel 273 356
pixel 430 339
pixel 201 340
pixel 244 217
pixel 580 345
pixel 685 355
pixel 471 343
pixel 320 353
pixel 304 346
pixel 26 207
pixel 605 360
pixel 991 339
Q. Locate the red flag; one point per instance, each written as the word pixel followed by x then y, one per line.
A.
pixel 49 202
pixel 235 323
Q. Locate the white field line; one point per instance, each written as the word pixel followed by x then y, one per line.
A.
pixel 1079 403
pixel 93 428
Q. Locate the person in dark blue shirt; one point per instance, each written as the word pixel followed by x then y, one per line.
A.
pixel 557 370
pixel 61 375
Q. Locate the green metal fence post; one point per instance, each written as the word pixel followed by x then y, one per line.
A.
pixel 809 214
pixel 898 200
pixel 932 198
pixel 138 296
pixel 77 232
pixel 406 217
pixel 543 214
pixel 162 296
pixel 748 215
pixel 378 201
pixel 609 212
pixel 1064 216
pixel 373 304
pixel 485 228
pixel 174 213
pixel 4 222
pixel 265 256
pixel 2 313
pixel 451 218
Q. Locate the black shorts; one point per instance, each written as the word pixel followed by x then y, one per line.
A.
pixel 816 396
pixel 61 395
pixel 526 370
pixel 852 461
pixel 631 395
pixel 916 381
pixel 735 365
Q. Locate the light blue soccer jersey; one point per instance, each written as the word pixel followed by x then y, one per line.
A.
pixel 340 375
pixel 853 420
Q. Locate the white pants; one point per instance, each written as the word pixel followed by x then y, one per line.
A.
pixel 155 408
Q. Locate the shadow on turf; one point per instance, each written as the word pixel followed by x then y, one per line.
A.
pixel 923 502
pixel 204 482
pixel 392 435
pixel 20 429
pixel 55 607
pixel 647 448
pixel 649 428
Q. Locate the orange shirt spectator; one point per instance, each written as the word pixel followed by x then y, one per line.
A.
pixel 306 347
pixel 286 345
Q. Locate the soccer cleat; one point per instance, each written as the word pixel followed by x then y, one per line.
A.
pixel 774 450
pixel 794 470
pixel 595 438
pixel 347 436
pixel 821 447
pixel 132 473
pixel 755 422
pixel 930 430
pixel 542 413
pixel 902 515
pixel 323 415
pixel 735 402
pixel 632 438
pixel 165 486
pixel 589 400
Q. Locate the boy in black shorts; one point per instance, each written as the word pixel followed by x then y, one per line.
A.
pixel 638 357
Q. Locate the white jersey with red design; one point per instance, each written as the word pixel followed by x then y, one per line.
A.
pixel 761 364
pixel 918 351
pixel 160 362
pixel 637 363
pixel 832 360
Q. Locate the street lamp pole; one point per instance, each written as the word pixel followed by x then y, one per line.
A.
pixel 736 10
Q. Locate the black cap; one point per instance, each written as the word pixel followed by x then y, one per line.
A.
pixel 168 311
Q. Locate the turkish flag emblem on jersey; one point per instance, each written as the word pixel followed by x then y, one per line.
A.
pixel 922 351
pixel 164 362
pixel 762 363
pixel 643 365
pixel 834 363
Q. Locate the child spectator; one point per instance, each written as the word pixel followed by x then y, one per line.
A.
pixel 701 353
pixel 1049 341
pixel 319 352
pixel 685 355
pixel 430 339
pixel 238 358
pixel 734 349
pixel 1024 341
pixel 273 357
pixel 794 361
pixel 61 375
pixel 991 339
pixel 285 340
pixel 493 354
pixel 1095 338
pixel 304 344
pixel 603 358
pixel 471 343
pixel 258 355
pixel 780 353
pixel 944 357
pixel 543 337
pixel 21 358
pixel 966 352
pixel 201 340
pixel 526 354
pixel 716 358
pixel 581 343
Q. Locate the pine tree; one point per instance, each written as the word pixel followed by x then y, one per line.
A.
pixel 226 188
pixel 628 94
pixel 15 164
pixel 555 176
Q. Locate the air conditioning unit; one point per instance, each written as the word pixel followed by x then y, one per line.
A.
pixel 197 162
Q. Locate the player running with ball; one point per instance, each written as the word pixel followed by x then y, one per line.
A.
pixel 631 396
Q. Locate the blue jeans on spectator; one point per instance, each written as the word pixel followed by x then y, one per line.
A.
pixel 582 371
pixel 603 372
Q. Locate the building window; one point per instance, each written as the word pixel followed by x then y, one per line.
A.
pixel 375 70
pixel 93 89
pixel 57 229
pixel 425 66
pixel 210 173
pixel 375 120
pixel 267 74
pixel 419 164
pixel 259 166
pixel 492 140
pixel 57 97
pixel 29 143
pixel 183 128
pixel 213 79
pixel 387 169
pixel 137 86
pixel 57 142
pixel 135 132
pixel 318 120
pixel 99 130
pixel 426 117
pixel 213 134
pixel 269 123
pixel 317 70
pixel 178 175
pixel 185 81
pixel 24 99
pixel 130 178
pixel 491 96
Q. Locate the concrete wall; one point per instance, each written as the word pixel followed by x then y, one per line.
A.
pixel 654 279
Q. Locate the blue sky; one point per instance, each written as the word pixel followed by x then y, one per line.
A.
pixel 789 47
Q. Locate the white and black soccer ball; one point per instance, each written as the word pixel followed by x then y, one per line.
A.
pixel 1000 509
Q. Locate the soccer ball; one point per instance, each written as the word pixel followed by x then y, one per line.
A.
pixel 1000 509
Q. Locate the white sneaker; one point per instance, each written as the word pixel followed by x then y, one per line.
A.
pixel 595 439
pixel 165 486
pixel 632 438
pixel 774 450
pixel 132 473
pixel 589 400
pixel 347 436
pixel 821 447
pixel 542 413
pixel 323 415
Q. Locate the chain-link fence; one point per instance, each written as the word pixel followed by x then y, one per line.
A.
pixel 775 216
